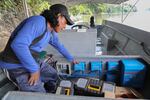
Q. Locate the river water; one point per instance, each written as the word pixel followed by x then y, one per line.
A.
pixel 140 20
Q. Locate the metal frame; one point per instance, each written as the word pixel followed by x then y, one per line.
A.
pixel 121 49
pixel 123 19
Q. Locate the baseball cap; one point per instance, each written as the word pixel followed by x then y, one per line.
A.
pixel 62 9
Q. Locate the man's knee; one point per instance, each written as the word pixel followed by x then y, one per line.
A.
pixel 23 84
pixel 34 88
pixel 48 72
pixel 54 75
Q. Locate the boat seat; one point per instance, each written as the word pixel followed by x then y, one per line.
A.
pixel 5 84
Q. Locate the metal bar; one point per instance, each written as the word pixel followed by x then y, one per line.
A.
pixel 125 44
pixel 25 8
pixel 122 13
pixel 66 2
pixel 114 33
pixel 130 11
pixel 120 50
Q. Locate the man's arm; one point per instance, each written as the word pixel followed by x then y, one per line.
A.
pixel 23 40
pixel 60 47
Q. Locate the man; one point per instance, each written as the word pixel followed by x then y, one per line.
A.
pixel 27 40
pixel 92 23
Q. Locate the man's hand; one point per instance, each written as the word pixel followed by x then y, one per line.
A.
pixel 34 77
pixel 75 62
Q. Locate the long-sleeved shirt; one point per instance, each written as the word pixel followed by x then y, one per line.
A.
pixel 28 30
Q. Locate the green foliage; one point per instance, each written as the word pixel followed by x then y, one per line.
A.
pixel 7 4
pixel 80 9
pixel 118 8
pixel 88 9
pixel 97 8
pixel 37 6
pixel 11 8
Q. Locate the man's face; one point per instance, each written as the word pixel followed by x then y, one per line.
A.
pixel 61 24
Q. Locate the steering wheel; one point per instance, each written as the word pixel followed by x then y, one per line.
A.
pixel 80 26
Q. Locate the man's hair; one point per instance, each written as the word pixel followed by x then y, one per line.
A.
pixel 51 17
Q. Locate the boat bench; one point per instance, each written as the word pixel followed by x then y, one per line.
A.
pixel 5 84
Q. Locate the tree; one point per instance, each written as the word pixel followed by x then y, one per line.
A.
pixel 37 6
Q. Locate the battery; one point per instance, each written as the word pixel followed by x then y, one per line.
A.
pixel 63 67
pixel 94 85
pixel 112 71
pixel 133 73
pixel 96 66
pixel 80 66
pixel 112 65
pixel 108 87
pixel 89 86
pixel 65 88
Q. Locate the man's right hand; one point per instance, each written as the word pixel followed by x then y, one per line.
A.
pixel 74 62
pixel 34 77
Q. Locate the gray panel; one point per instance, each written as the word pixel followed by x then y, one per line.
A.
pixel 41 96
pixel 108 42
pixel 133 48
pixel 121 39
pixel 109 32
pixel 104 39
pixel 137 34
pixel 79 44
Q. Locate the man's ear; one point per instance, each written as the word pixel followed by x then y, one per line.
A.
pixel 58 19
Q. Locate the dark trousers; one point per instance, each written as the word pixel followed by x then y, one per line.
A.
pixel 48 76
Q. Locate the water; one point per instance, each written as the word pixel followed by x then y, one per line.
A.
pixel 138 20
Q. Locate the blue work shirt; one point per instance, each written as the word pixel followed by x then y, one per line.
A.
pixel 28 30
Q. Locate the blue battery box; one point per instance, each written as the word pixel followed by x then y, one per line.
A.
pixel 133 73
pixel 112 65
pixel 80 66
pixel 96 66
pixel 112 71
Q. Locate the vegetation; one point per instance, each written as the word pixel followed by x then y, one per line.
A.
pixel 88 9
pixel 12 11
pixel 37 6
pixel 99 11
pixel 95 8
